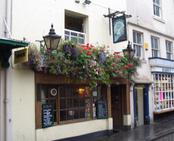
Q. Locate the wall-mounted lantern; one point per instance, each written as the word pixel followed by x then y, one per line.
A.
pixel 129 51
pixel 52 39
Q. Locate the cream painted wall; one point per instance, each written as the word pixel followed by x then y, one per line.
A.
pixel 142 14
pixel 74 129
pixel 144 69
pixel 23 105
pixel 52 11
pixel 2 16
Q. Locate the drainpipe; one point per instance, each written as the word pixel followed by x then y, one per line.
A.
pixel 5 105
pixel 6 93
pixel 11 18
pixel 8 19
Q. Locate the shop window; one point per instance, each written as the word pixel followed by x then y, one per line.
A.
pixel 155 46
pixel 157 10
pixel 163 92
pixel 138 44
pixel 169 50
pixel 67 103
pixel 47 95
pixel 75 103
pixel 74 27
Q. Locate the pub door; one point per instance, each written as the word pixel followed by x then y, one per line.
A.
pixel 116 105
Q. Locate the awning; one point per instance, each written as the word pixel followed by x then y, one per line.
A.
pixel 6 45
pixel 11 43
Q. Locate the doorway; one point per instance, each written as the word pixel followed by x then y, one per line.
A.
pixel 116 105
pixel 141 105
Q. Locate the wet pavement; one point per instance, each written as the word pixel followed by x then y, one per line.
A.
pixel 150 132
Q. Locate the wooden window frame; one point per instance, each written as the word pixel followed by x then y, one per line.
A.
pixel 45 79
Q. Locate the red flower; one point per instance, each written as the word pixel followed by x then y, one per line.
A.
pixel 118 56
pixel 116 53
pixel 130 65
pixel 86 48
pixel 126 67
pixel 89 53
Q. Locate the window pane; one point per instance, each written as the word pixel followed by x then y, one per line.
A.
pixel 138 43
pixel 74 39
pixel 81 41
pixel 67 32
pixel 63 115
pixel 157 7
pixel 75 102
pixel 73 34
pixel 169 49
pixel 138 51
pixel 66 37
pixel 82 113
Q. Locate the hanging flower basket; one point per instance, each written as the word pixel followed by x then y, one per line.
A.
pixel 84 62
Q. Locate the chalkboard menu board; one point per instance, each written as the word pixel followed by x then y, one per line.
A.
pixel 101 109
pixel 47 115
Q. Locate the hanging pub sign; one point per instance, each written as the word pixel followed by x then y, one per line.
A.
pixel 47 115
pixel 119 29
pixel 20 55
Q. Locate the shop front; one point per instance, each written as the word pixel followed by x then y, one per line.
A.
pixel 69 109
pixel 66 108
pixel 163 78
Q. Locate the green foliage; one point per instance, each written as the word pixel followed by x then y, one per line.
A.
pixel 84 62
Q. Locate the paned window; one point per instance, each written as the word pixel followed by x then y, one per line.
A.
pixel 155 46
pixel 75 103
pixel 157 8
pixel 59 104
pixel 163 92
pixel 74 28
pixel 138 43
pixel 169 50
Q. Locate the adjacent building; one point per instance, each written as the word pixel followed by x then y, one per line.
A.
pixel 151 32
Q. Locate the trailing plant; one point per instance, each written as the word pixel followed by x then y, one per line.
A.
pixel 84 62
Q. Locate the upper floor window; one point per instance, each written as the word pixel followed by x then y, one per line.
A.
pixel 155 46
pixel 138 43
pixel 157 8
pixel 169 50
pixel 74 27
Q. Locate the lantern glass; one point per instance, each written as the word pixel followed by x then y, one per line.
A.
pixel 52 39
pixel 129 51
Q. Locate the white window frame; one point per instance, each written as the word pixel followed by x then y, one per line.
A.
pixel 138 44
pixel 169 49
pixel 157 6
pixel 157 48
pixel 75 35
pixel 163 92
